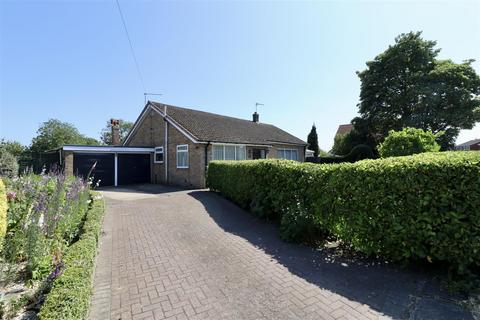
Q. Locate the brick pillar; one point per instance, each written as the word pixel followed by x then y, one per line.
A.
pixel 115 132
pixel 68 163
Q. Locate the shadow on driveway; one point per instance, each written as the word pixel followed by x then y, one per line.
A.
pixel 400 294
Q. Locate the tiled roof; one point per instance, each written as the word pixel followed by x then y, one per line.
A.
pixel 344 128
pixel 469 143
pixel 210 127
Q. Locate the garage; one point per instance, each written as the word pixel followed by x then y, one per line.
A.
pixel 111 165
pixel 98 166
pixel 133 168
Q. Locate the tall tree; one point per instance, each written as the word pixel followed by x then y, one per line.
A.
pixel 106 134
pixel 55 133
pixel 312 141
pixel 406 86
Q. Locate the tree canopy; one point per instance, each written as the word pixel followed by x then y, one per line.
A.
pixel 55 133
pixel 106 134
pixel 312 141
pixel 13 147
pixel 8 163
pixel 407 86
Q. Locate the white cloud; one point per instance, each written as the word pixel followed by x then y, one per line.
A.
pixel 466 135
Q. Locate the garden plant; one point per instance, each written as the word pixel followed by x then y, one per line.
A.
pixel 49 217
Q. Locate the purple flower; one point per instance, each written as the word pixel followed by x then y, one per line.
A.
pixel 11 196
pixel 57 271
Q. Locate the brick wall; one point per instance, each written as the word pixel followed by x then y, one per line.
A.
pixel 151 132
pixel 475 146
pixel 68 162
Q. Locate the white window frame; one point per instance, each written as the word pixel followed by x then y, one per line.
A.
pixel 183 151
pixel 158 150
pixel 291 152
pixel 223 145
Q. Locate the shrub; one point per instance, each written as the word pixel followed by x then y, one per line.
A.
pixel 359 152
pixel 8 163
pixel 408 141
pixel 71 291
pixel 44 217
pixel 417 207
pixel 3 213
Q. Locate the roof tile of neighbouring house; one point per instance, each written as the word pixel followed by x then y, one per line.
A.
pixel 210 127
pixel 469 143
pixel 344 128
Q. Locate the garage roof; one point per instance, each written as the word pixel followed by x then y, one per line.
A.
pixel 107 149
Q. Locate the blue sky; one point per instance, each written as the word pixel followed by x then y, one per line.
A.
pixel 71 59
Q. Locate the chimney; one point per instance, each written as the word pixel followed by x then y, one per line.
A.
pixel 256 117
pixel 115 124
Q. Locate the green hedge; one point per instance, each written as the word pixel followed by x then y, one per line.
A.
pixel 71 291
pixel 3 213
pixel 425 206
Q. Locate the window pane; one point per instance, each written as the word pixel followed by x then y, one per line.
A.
pixel 241 153
pixel 295 155
pixel 182 147
pixel 159 157
pixel 217 152
pixel 288 154
pixel 182 158
pixel 281 154
pixel 229 152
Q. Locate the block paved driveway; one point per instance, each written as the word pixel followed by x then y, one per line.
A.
pixel 175 254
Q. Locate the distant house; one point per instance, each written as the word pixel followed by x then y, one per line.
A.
pixel 344 128
pixel 173 145
pixel 469 145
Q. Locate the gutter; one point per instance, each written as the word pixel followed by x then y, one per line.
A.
pixel 206 160
pixel 165 151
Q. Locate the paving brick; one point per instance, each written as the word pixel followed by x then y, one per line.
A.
pixel 172 254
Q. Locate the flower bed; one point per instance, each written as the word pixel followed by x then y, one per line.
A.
pixel 70 295
pixel 48 216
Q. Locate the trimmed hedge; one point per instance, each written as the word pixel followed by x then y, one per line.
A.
pixel 3 213
pixel 425 206
pixel 71 291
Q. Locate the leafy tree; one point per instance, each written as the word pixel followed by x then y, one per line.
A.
pixel 106 134
pixel 344 143
pixel 13 147
pixel 341 145
pixel 55 133
pixel 323 153
pixel 8 163
pixel 406 86
pixel 312 141
pixel 409 141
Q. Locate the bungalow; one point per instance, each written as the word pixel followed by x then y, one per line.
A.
pixel 469 145
pixel 173 145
